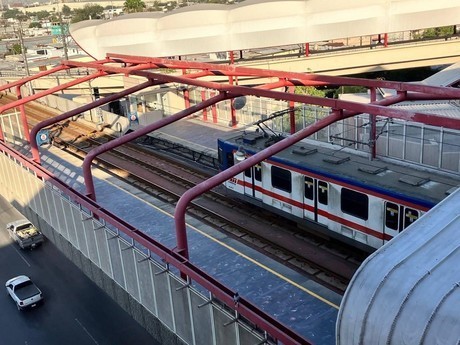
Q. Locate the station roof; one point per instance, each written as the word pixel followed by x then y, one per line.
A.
pixel 256 24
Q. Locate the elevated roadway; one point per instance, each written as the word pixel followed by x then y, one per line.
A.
pixel 335 63
pixel 364 60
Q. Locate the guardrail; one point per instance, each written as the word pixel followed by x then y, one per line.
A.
pixel 197 310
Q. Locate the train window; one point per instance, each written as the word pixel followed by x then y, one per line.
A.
pixel 220 157
pixel 410 216
pixel 247 172
pixel 308 188
pixel 258 172
pixel 281 179
pixel 392 216
pixel 354 203
pixel 230 161
pixel 322 192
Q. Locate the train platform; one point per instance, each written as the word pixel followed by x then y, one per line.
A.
pixel 196 133
pixel 307 307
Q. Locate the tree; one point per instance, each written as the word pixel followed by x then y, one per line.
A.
pixel 131 6
pixel 90 11
pixel 438 32
pixel 11 13
pixel 22 17
pixel 66 10
pixel 35 25
pixel 15 49
pixel 42 15
pixel 309 90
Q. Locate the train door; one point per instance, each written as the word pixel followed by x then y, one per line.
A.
pixel 316 199
pixel 253 181
pixel 397 218
pixel 309 199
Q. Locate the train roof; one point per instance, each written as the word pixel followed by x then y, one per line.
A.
pixel 407 292
pixel 407 181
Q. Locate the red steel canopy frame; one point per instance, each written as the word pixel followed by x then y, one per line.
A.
pixel 191 74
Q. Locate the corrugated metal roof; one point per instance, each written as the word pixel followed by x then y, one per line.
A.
pixel 445 108
pixel 446 77
pixel 449 109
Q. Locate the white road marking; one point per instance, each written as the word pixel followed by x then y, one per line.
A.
pixel 84 328
pixel 22 257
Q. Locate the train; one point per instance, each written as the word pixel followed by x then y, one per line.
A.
pixel 407 292
pixel 334 191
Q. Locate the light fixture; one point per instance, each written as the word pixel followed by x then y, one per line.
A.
pixel 240 155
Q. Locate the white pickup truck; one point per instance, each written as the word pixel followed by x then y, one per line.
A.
pixel 24 292
pixel 25 233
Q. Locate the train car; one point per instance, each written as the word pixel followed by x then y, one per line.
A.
pixel 407 292
pixel 340 193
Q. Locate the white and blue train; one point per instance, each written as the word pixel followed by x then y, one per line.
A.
pixel 342 194
pixel 408 291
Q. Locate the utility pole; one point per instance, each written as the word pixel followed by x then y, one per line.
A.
pixel 63 35
pixel 23 50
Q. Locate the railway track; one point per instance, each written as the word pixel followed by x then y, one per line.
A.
pixel 324 260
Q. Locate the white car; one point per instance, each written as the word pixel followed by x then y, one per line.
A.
pixel 24 292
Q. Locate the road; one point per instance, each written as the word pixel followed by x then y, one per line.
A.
pixel 75 311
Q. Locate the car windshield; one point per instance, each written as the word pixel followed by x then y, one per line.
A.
pixel 22 227
pixel 26 290
pixel 23 285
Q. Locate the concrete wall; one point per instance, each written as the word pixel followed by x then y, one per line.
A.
pixel 152 293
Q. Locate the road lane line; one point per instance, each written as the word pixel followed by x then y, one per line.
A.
pixel 89 334
pixel 22 257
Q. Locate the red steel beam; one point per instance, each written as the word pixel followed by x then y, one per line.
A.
pixel 247 71
pixel 38 95
pixel 429 119
pixel 188 196
pixel 22 81
pixel 79 110
pixel 219 70
pixel 216 180
pixel 89 183
pixel 62 66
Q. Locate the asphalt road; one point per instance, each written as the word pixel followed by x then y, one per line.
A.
pixel 75 311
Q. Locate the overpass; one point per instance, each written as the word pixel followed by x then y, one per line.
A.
pixel 364 60
pixel 395 56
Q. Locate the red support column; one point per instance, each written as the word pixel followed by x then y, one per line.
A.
pixel 232 108
pixel 187 98
pixel 22 110
pixel 205 110
pixel 385 40
pixel 213 109
pixel 373 120
pixel 307 49
pixel 186 93
pixel 292 111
